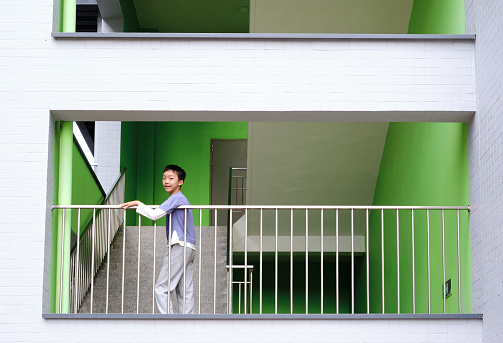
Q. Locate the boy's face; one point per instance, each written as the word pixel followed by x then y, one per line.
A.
pixel 171 182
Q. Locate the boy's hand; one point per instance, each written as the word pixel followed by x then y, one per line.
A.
pixel 130 204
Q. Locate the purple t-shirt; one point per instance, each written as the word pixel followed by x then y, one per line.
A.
pixel 178 217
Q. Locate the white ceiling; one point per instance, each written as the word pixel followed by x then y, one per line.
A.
pixel 315 163
pixel 330 16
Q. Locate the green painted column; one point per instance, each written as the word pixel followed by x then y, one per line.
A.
pixel 67 15
pixel 64 229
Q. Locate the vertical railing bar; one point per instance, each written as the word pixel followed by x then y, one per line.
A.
pixel 108 257
pixel 62 263
pixel 215 266
pixel 429 265
pixel 251 291
pixel 246 259
pixel 291 261
pixel 321 248
pixel 153 271
pixel 367 258
pixel 276 264
pixel 169 262
pixel 261 259
pixel 382 258
pixel 185 255
pixel 307 261
pixel 93 234
pixel 459 268
pixel 230 301
pixel 123 258
pixel 200 254
pixel 443 257
pixel 77 268
pixel 239 298
pixel 138 274
pixel 398 260
pixel 337 261
pixel 413 268
pixel 352 263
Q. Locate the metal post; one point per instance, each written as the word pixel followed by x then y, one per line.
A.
pixel 459 269
pixel 352 264
pixel 443 257
pixel 138 275
pixel 413 269
pixel 291 261
pixel 230 309
pixel 275 265
pixel 200 254
pixel 153 270
pixel 337 261
pixel 321 248
pixel 246 255
pixel 108 257
pixel 382 257
pixel 214 266
pixel 307 262
pixel 185 254
pixel 169 262
pixel 398 260
pixel 123 258
pixel 261 260
pixel 77 267
pixel 367 257
pixel 429 266
pixel 92 258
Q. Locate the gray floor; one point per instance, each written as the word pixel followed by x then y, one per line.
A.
pixel 143 299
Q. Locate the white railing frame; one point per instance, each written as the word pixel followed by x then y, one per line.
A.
pixel 100 250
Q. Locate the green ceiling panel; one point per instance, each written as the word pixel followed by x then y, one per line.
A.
pixel 193 16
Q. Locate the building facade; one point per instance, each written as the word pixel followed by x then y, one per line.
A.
pixel 51 76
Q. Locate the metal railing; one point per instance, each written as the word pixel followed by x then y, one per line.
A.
pixel 237 187
pixel 93 244
pixel 343 231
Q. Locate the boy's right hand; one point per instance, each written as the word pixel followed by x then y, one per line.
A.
pixel 129 204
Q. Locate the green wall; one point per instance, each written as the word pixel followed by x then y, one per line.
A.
pixel 147 147
pixel 299 282
pixel 84 190
pixel 422 164
pixel 130 19
pixel 437 17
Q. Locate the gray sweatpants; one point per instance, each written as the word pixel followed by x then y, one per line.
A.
pixel 178 281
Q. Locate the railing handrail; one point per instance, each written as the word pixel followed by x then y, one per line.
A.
pixel 88 225
pixel 279 207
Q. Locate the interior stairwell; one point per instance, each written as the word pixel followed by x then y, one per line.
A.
pixel 139 281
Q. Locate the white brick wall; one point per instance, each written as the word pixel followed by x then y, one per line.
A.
pixel 486 165
pixel 38 74
pixel 107 149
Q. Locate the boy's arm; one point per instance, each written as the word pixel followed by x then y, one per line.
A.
pixel 144 210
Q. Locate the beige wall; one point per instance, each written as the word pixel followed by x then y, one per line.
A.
pixel 330 16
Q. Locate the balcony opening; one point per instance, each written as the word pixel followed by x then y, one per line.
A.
pixel 328 218
pixel 265 16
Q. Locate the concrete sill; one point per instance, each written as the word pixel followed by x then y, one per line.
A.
pixel 260 36
pixel 264 316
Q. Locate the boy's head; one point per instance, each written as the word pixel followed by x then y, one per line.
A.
pixel 173 178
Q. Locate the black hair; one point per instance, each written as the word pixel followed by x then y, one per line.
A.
pixel 178 170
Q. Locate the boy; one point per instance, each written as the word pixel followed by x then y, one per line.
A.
pixel 172 180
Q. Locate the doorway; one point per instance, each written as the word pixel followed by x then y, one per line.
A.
pixel 225 154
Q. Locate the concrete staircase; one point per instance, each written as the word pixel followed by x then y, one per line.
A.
pixel 147 276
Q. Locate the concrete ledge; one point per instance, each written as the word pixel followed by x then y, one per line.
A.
pixel 260 36
pixel 264 316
